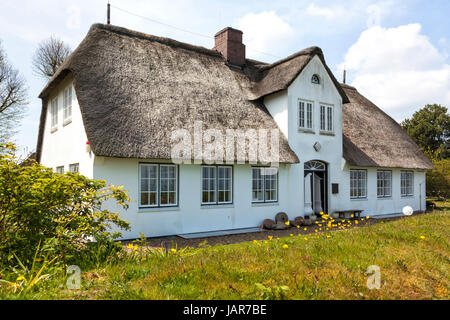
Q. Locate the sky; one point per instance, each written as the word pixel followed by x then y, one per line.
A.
pixel 396 52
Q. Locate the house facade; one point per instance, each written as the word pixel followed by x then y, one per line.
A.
pixel 110 112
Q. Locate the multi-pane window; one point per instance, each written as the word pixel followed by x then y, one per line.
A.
pixel 60 169
pixel 158 185
pixel 54 113
pixel 67 103
pixel 407 183
pixel 217 185
pixel 264 184
pixel 74 168
pixel 326 118
pixel 384 183
pixel 358 184
pixel 305 115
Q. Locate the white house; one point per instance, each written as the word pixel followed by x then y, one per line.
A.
pixel 111 110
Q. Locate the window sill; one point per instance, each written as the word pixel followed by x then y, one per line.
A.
pixel 326 133
pixel 67 122
pixel 217 206
pixel 408 196
pixel 265 204
pixel 384 198
pixel 306 131
pixel 359 199
pixel 53 130
pixel 158 209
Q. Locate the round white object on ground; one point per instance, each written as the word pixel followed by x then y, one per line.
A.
pixel 407 211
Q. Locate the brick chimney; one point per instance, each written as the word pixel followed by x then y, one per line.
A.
pixel 229 44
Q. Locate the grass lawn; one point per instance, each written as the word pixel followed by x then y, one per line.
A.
pixel 412 253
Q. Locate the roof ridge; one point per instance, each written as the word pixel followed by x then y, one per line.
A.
pixel 162 40
pixel 304 52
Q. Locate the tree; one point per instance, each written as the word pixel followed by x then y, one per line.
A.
pixel 49 56
pixel 430 129
pixel 13 98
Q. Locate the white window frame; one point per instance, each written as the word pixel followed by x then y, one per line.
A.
pixel 74 165
pixel 67 105
pixel 407 183
pixel 215 189
pixel 305 115
pixel 54 114
pixel 381 178
pixel 158 185
pixel 60 169
pixel 264 176
pixel 358 183
pixel 326 116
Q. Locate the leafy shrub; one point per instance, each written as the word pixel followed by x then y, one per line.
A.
pixel 60 211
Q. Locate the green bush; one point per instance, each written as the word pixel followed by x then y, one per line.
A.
pixel 438 180
pixel 59 211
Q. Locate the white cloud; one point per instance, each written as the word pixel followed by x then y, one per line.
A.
pixel 326 12
pixel 399 69
pixel 264 32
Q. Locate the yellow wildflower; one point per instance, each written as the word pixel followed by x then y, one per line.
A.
pixel 287 223
pixel 422 237
pixel 130 246
pixel 285 246
pixel 21 278
pixel 270 237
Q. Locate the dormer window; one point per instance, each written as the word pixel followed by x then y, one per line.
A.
pixel 315 79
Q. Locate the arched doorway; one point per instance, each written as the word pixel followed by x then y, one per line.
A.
pixel 315 187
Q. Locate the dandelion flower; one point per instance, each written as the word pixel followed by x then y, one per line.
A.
pixel 285 246
pixel 130 246
pixel 422 237
pixel 270 237
pixel 287 223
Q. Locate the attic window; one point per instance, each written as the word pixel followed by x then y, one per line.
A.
pixel 315 79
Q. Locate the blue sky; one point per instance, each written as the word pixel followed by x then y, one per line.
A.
pixel 396 51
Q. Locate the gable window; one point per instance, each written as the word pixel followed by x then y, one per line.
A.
pixel 384 183
pixel 315 79
pixel 264 185
pixel 67 104
pixel 217 185
pixel 158 185
pixel 305 115
pixel 358 184
pixel 74 168
pixel 407 183
pixel 60 169
pixel 326 118
pixel 54 114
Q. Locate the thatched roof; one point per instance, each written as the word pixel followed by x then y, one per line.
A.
pixel 373 139
pixel 134 89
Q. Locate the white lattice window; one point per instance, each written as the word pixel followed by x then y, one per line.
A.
pixel 384 183
pixel 264 184
pixel 217 185
pixel 305 115
pixel 358 184
pixel 407 183
pixel 158 185
pixel 326 118
pixel 67 104
pixel 74 168
pixel 54 113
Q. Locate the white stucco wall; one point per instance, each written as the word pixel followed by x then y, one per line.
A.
pixel 66 145
pixel 190 216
